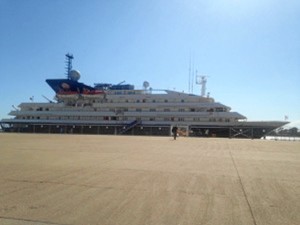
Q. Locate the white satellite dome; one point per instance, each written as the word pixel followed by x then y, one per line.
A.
pixel 146 84
pixel 74 75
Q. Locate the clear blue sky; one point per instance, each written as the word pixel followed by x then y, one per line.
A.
pixel 250 49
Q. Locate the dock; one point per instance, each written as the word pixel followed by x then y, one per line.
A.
pixel 144 180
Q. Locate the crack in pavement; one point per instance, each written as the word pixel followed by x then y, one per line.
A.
pixel 243 189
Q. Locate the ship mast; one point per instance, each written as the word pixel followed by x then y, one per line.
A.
pixel 201 80
pixel 69 58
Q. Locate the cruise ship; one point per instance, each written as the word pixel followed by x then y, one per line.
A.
pixel 121 109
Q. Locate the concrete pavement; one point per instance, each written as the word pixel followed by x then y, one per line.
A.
pixel 116 180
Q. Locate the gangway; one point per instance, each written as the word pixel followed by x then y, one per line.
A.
pixel 130 126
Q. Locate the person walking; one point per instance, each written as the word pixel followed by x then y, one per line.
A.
pixel 174 131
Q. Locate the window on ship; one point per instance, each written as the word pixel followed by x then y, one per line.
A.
pixel 200 110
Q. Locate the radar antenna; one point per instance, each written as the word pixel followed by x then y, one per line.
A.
pixel 69 58
pixel 146 85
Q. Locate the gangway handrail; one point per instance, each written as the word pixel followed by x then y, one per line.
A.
pixel 130 126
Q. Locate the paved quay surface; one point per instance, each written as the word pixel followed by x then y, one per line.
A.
pixel 118 180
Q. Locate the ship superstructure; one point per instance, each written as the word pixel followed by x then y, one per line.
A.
pixel 122 109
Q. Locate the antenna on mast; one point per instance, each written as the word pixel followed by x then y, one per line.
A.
pixel 69 58
pixel 191 74
pixel 192 78
pixel 189 91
